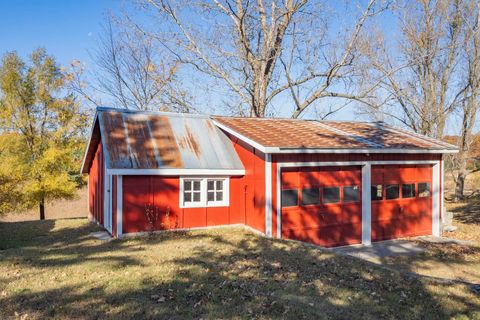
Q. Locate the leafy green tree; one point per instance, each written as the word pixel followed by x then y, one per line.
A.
pixel 41 133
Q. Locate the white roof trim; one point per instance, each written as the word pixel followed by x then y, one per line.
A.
pixel 178 172
pixel 254 144
pixel 89 141
pixel 369 151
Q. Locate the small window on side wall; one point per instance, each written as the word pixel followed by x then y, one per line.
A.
pixel 310 196
pixel 289 198
pixel 408 190
pixel 204 192
pixel 392 191
pixel 331 194
pixel 377 192
pixel 215 190
pixel 192 191
pixel 351 194
pixel 424 189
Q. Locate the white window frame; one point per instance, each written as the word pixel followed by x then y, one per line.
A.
pixel 204 203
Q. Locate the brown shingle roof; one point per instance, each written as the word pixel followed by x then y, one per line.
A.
pixel 311 134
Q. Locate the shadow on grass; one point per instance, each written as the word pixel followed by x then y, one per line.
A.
pixel 222 274
pixel 468 211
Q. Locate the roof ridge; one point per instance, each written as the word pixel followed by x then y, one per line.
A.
pixel 152 112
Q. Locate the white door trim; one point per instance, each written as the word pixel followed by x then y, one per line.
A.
pixel 268 195
pixel 119 212
pixel 366 204
pixel 437 202
pixel 107 200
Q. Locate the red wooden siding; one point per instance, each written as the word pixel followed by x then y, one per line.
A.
pixel 253 184
pixel 159 196
pixel 96 180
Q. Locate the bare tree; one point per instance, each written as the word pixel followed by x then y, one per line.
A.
pixel 266 52
pixel 131 72
pixel 471 98
pixel 417 83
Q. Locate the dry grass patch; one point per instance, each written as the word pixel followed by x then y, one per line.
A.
pixel 451 261
pixel 54 269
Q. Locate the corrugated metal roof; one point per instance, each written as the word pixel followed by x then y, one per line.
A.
pixel 312 134
pixel 148 140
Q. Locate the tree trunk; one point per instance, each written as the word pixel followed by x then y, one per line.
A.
pixel 42 209
pixel 462 174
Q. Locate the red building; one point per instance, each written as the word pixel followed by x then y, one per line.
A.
pixel 325 182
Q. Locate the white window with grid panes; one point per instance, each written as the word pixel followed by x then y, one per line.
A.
pixel 204 192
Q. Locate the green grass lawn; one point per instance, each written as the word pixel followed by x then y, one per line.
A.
pixel 55 269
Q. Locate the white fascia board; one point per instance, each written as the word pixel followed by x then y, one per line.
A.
pixel 254 144
pixel 367 151
pixel 178 172
pixel 89 141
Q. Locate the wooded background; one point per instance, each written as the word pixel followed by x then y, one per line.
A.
pixel 258 58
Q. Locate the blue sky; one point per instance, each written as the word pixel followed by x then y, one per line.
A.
pixel 67 28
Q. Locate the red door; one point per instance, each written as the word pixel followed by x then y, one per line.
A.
pixel 401 201
pixel 322 205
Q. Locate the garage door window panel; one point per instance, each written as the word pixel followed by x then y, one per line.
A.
pixel 408 190
pixel 392 191
pixel 310 196
pixel 289 198
pixel 331 195
pixel 351 194
pixel 424 189
pixel 377 192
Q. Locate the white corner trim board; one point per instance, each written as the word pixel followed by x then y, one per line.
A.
pixel 119 199
pixel 268 194
pixel 366 204
pixel 437 196
pixel 107 203
pixel 436 202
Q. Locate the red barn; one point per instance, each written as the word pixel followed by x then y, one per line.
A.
pixel 324 182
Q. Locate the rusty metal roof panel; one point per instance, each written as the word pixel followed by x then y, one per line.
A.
pixel 145 140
